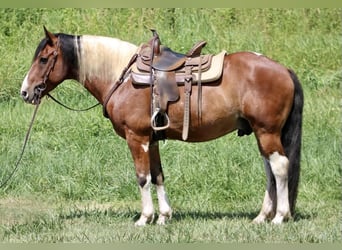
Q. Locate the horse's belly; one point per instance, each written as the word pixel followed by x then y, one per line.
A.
pixel 205 130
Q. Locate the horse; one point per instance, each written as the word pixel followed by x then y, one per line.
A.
pixel 254 94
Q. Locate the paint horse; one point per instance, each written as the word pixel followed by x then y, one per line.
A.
pixel 253 94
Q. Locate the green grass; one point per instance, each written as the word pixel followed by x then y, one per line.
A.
pixel 76 182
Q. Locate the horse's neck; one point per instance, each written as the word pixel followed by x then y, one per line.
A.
pixel 102 61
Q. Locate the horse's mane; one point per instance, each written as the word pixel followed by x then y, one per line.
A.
pixel 102 57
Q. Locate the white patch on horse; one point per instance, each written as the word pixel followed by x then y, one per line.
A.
pixel 27 87
pixel 24 85
pixel 280 166
pixel 145 147
pixel 256 53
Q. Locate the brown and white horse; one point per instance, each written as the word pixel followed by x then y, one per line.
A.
pixel 254 94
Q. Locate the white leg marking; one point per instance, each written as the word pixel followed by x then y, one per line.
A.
pixel 280 166
pixel 145 147
pixel 267 205
pixel 147 212
pixel 265 210
pixel 164 205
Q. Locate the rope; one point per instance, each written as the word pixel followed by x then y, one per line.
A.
pixel 24 146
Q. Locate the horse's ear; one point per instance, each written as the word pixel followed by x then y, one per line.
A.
pixel 49 36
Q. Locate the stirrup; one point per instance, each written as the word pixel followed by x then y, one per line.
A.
pixel 154 123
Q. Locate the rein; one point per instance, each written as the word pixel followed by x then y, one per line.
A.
pixel 111 92
pixel 72 109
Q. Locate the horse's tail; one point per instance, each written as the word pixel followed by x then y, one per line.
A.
pixel 291 139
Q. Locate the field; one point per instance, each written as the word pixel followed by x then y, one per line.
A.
pixel 76 182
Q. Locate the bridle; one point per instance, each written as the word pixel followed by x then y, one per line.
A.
pixel 40 88
pixel 54 60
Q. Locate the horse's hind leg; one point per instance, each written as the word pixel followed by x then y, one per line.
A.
pixel 269 204
pixel 165 211
pixel 272 149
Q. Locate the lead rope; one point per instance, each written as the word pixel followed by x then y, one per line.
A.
pixel 25 141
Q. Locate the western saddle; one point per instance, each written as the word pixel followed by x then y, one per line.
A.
pixel 163 70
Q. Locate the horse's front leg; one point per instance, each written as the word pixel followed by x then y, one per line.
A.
pixel 165 210
pixel 139 148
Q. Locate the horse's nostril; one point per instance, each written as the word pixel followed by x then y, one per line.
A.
pixel 24 94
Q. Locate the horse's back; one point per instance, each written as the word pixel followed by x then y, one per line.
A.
pixel 253 66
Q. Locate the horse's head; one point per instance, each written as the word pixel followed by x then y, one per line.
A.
pixel 47 69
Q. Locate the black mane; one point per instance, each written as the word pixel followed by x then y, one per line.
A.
pixel 67 45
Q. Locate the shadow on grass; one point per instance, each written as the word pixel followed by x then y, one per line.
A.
pixel 177 215
pixel 230 215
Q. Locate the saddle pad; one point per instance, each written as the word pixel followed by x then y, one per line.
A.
pixel 210 75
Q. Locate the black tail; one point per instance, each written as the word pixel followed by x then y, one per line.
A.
pixel 292 139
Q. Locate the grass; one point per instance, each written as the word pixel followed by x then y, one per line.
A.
pixel 76 182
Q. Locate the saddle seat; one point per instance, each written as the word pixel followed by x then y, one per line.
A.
pixel 169 60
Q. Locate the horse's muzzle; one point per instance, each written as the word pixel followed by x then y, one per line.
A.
pixel 37 94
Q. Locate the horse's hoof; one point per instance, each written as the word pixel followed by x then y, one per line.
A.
pixel 259 219
pixel 143 220
pixel 163 218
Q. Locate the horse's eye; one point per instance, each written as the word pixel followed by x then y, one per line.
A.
pixel 43 60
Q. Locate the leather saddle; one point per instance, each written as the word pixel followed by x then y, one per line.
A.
pixel 164 69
